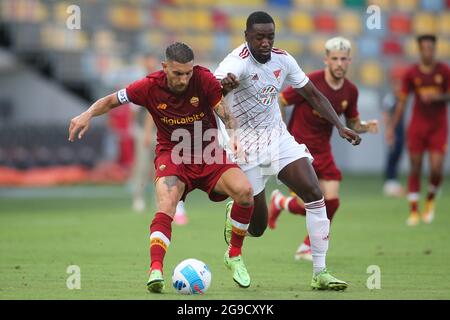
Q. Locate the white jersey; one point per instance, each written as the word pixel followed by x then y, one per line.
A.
pixel 255 102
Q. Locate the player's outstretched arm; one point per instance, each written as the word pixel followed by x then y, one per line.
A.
pixel 360 126
pixel 80 124
pixel 321 104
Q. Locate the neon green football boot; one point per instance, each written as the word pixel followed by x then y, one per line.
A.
pixel 228 228
pixel 240 273
pixel 325 281
pixel 156 281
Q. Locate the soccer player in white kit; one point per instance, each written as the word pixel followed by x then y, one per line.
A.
pixel 252 76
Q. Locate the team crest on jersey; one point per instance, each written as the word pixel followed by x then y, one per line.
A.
pixel 194 101
pixel 344 104
pixel 161 106
pixel 162 167
pixel 255 77
pixel 438 78
pixel 277 74
pixel 417 81
pixel 267 95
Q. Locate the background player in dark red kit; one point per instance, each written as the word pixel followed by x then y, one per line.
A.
pixel 182 99
pixel 309 127
pixel 428 128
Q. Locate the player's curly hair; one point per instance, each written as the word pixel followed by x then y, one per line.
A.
pixel 258 17
pixel 179 52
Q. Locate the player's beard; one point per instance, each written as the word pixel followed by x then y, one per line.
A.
pixel 335 76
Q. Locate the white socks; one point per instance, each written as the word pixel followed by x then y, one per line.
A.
pixel 318 227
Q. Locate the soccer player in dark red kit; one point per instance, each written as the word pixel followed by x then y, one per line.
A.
pixel 182 99
pixel 309 127
pixel 428 127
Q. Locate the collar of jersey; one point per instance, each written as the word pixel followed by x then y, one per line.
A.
pixel 251 55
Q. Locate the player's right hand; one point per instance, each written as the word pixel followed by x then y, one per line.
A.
pixel 229 83
pixel 79 124
pixel 350 135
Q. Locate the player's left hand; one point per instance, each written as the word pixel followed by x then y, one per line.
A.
pixel 350 135
pixel 229 83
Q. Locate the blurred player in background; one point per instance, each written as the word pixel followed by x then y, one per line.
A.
pixel 182 97
pixel 428 128
pixel 252 75
pixel 144 136
pixel 392 186
pixel 310 128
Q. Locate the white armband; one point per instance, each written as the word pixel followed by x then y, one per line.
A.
pixel 122 96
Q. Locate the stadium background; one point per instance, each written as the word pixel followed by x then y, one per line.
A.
pixel 49 74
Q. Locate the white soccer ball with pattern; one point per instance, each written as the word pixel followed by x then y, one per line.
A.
pixel 191 276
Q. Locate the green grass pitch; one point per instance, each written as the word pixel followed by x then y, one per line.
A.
pixel 42 232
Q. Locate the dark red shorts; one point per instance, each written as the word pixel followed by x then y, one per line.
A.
pixel 325 166
pixel 195 176
pixel 423 137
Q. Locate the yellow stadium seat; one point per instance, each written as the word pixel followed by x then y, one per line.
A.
pixel 237 39
pixel 383 4
pixel 241 3
pixel 201 20
pixel 424 23
pixel 59 11
pixel 237 23
pixel 406 5
pixel 301 23
pixel 305 4
pixel 331 4
pixel 173 20
pixel 293 46
pixel 200 43
pixel 317 45
pixel 411 48
pixel 444 24
pixel 371 73
pixel 349 23
pixel 126 17
pixel 443 49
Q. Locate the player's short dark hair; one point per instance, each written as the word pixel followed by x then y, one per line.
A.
pixel 258 17
pixel 179 52
pixel 426 37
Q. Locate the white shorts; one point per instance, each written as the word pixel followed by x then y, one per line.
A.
pixel 288 151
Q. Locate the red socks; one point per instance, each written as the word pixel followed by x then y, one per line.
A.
pixel 240 219
pixel 160 234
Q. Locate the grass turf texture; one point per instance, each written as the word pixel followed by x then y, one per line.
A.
pixel 93 227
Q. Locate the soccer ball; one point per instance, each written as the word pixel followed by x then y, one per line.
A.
pixel 191 276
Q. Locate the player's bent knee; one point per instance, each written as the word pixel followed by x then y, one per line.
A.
pixel 244 195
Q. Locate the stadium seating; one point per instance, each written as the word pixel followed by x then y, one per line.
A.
pixel 111 35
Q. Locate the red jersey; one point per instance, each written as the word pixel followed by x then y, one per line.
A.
pixel 437 81
pixel 307 125
pixel 172 111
